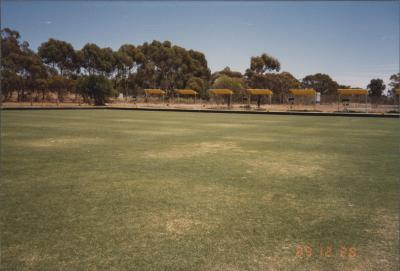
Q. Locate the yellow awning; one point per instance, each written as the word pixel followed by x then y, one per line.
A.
pixel 220 91
pixel 352 91
pixel 303 92
pixel 186 92
pixel 259 91
pixel 154 92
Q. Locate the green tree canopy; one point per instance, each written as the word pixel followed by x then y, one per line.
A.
pixel 262 64
pixel 97 87
pixel 169 66
pixel 232 83
pixel 91 57
pixel 376 87
pixel 259 74
pixel 58 54
pixel 226 71
pixel 277 82
pixel 197 84
pixel 394 83
pixel 127 60
pixel 12 64
pixel 20 66
pixel 322 83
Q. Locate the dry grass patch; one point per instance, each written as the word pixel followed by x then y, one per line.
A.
pixel 176 224
pixel 169 131
pixel 270 197
pixel 388 224
pixel 182 225
pixel 263 139
pixel 300 164
pixel 31 259
pixel 228 125
pixel 285 168
pixel 146 121
pixel 66 142
pixel 214 195
pixel 198 149
pixel 27 256
pixel 385 230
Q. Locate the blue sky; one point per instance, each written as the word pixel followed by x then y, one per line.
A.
pixel 353 42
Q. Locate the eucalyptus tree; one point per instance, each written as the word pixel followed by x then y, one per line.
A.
pixel 96 87
pixel 169 66
pixel 262 64
pixel 198 84
pixel 20 66
pixel 376 87
pixel 11 64
pixel 322 83
pixel 128 59
pixel 226 71
pixel 91 57
pixel 260 70
pixel 283 82
pixel 233 83
pixel 198 68
pixel 107 62
pixel 58 54
pixel 394 84
pixel 34 72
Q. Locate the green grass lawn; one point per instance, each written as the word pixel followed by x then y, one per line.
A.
pixel 134 190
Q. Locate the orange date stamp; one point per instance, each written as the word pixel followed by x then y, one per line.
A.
pixel 307 251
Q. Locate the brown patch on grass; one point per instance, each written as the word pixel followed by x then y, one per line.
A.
pixel 29 258
pixel 146 121
pixel 176 224
pixel 282 258
pixel 389 226
pixel 228 125
pixel 225 267
pixel 61 142
pixel 192 150
pixel 252 139
pixel 275 263
pixel 214 194
pixel 301 164
pixel 182 225
pixel 169 131
pixel 272 197
pixel 382 250
pixel 286 168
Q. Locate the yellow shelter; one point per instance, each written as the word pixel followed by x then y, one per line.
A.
pixel 259 93
pixel 186 93
pixel 154 92
pixel 345 95
pixel 222 92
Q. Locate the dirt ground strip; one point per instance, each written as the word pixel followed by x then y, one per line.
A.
pixel 356 108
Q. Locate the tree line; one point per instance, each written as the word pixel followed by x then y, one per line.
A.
pixel 96 73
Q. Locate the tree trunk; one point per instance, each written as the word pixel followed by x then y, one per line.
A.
pixel 126 89
pixel 21 95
